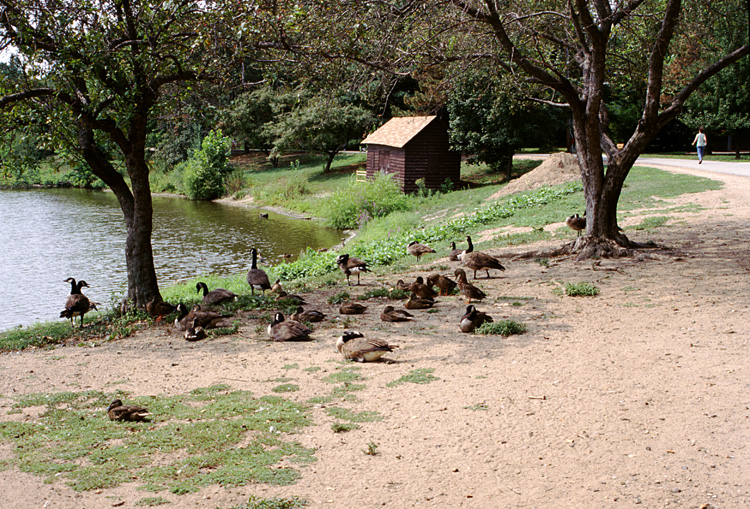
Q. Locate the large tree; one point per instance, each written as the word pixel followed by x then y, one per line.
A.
pixel 94 72
pixel 574 49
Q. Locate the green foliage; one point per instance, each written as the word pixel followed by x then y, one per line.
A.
pixel 372 449
pixel 356 204
pixel 341 427
pixel 503 328
pixel 650 223
pixel 239 437
pixel 384 293
pixel 272 503
pixel 205 172
pixel 415 376
pixel 348 415
pixel 339 298
pixel 582 289
pixel 286 388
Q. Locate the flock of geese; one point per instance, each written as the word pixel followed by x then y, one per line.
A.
pixel 352 345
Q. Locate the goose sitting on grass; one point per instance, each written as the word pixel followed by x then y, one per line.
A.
pixel 216 296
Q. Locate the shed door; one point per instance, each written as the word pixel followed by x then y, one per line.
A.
pixel 385 160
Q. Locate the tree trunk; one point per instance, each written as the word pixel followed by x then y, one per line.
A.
pixel 329 161
pixel 137 210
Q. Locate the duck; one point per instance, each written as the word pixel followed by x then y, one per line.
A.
pixel 290 297
pixel 197 316
pixel 577 223
pixel 353 346
pixel 159 308
pixel 288 330
pixel 400 285
pixel 76 304
pixel 455 253
pixel 445 284
pixel 473 319
pixel 420 289
pixel 391 314
pixel 415 302
pixel 263 215
pixel 310 315
pixel 276 287
pixel 216 296
pixel 477 260
pixel 195 332
pixel 416 249
pixel 350 265
pixel 257 278
pixel 352 308
pixel 467 289
pixel 119 412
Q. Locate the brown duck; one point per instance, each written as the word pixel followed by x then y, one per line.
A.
pixel 391 314
pixel 352 308
pixel 415 302
pixel 119 412
pixel 216 296
pixel 350 265
pixel 257 278
pixel 445 284
pixel 160 308
pixel 288 330
pixel 422 290
pixel 473 319
pixel 353 346
pixel 477 260
pixel 416 249
pixel 467 289
pixel 197 316
pixel 310 315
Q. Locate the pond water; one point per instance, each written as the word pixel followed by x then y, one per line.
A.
pixel 49 235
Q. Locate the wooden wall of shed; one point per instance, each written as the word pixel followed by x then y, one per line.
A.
pixel 394 166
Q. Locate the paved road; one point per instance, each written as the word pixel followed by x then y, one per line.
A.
pixel 731 168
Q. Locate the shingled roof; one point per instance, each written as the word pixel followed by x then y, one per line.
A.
pixel 398 131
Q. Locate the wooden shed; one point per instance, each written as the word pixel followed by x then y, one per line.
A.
pixel 412 148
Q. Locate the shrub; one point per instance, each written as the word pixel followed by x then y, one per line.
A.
pixel 359 202
pixel 204 173
pixel 581 289
pixel 503 328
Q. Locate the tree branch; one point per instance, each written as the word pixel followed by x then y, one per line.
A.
pixel 26 94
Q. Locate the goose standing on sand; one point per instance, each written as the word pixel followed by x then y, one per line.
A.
pixel 577 223
pixel 416 249
pixel 353 346
pixel 197 316
pixel 467 289
pixel 76 304
pixel 288 330
pixel 473 319
pixel 391 314
pixel 119 412
pixel 257 278
pixel 445 284
pixel 477 260
pixel 216 296
pixel 350 265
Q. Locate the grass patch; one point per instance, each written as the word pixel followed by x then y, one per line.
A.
pixel 345 414
pixel 209 436
pixel 501 328
pixel 478 406
pixel 339 298
pixel 152 501
pixel 343 427
pixel 582 289
pixel 285 388
pixel 651 223
pixel 384 293
pixel 371 449
pixel 272 503
pixel 345 375
pixel 415 376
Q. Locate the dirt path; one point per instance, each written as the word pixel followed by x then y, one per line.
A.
pixel 638 396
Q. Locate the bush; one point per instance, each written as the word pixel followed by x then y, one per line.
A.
pixel 205 172
pixel 359 202
pixel 503 328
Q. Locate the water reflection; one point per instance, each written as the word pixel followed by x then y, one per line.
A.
pixel 49 235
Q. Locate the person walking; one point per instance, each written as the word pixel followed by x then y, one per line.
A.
pixel 700 142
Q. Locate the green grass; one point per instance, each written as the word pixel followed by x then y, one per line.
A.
pixel 581 289
pixel 345 414
pixel 650 223
pixel 209 436
pixel 729 158
pixel 272 503
pixel 501 328
pixel 415 376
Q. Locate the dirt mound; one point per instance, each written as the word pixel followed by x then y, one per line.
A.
pixel 557 169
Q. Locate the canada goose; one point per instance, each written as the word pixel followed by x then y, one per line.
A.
pixel 469 249
pixel 445 284
pixel 420 289
pixel 577 223
pixel 158 309
pixel 197 316
pixel 400 285
pixel 350 265
pixel 353 346
pixel 310 315
pixel 76 304
pixel 391 314
pixel 287 330
pixel 415 302
pixel 417 249
pixel 119 412
pixel 476 260
pixel 263 215
pixel 455 252
pixel 467 289
pixel 473 319
pixel 257 278
pixel 194 332
pixel 352 308
pixel 216 296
